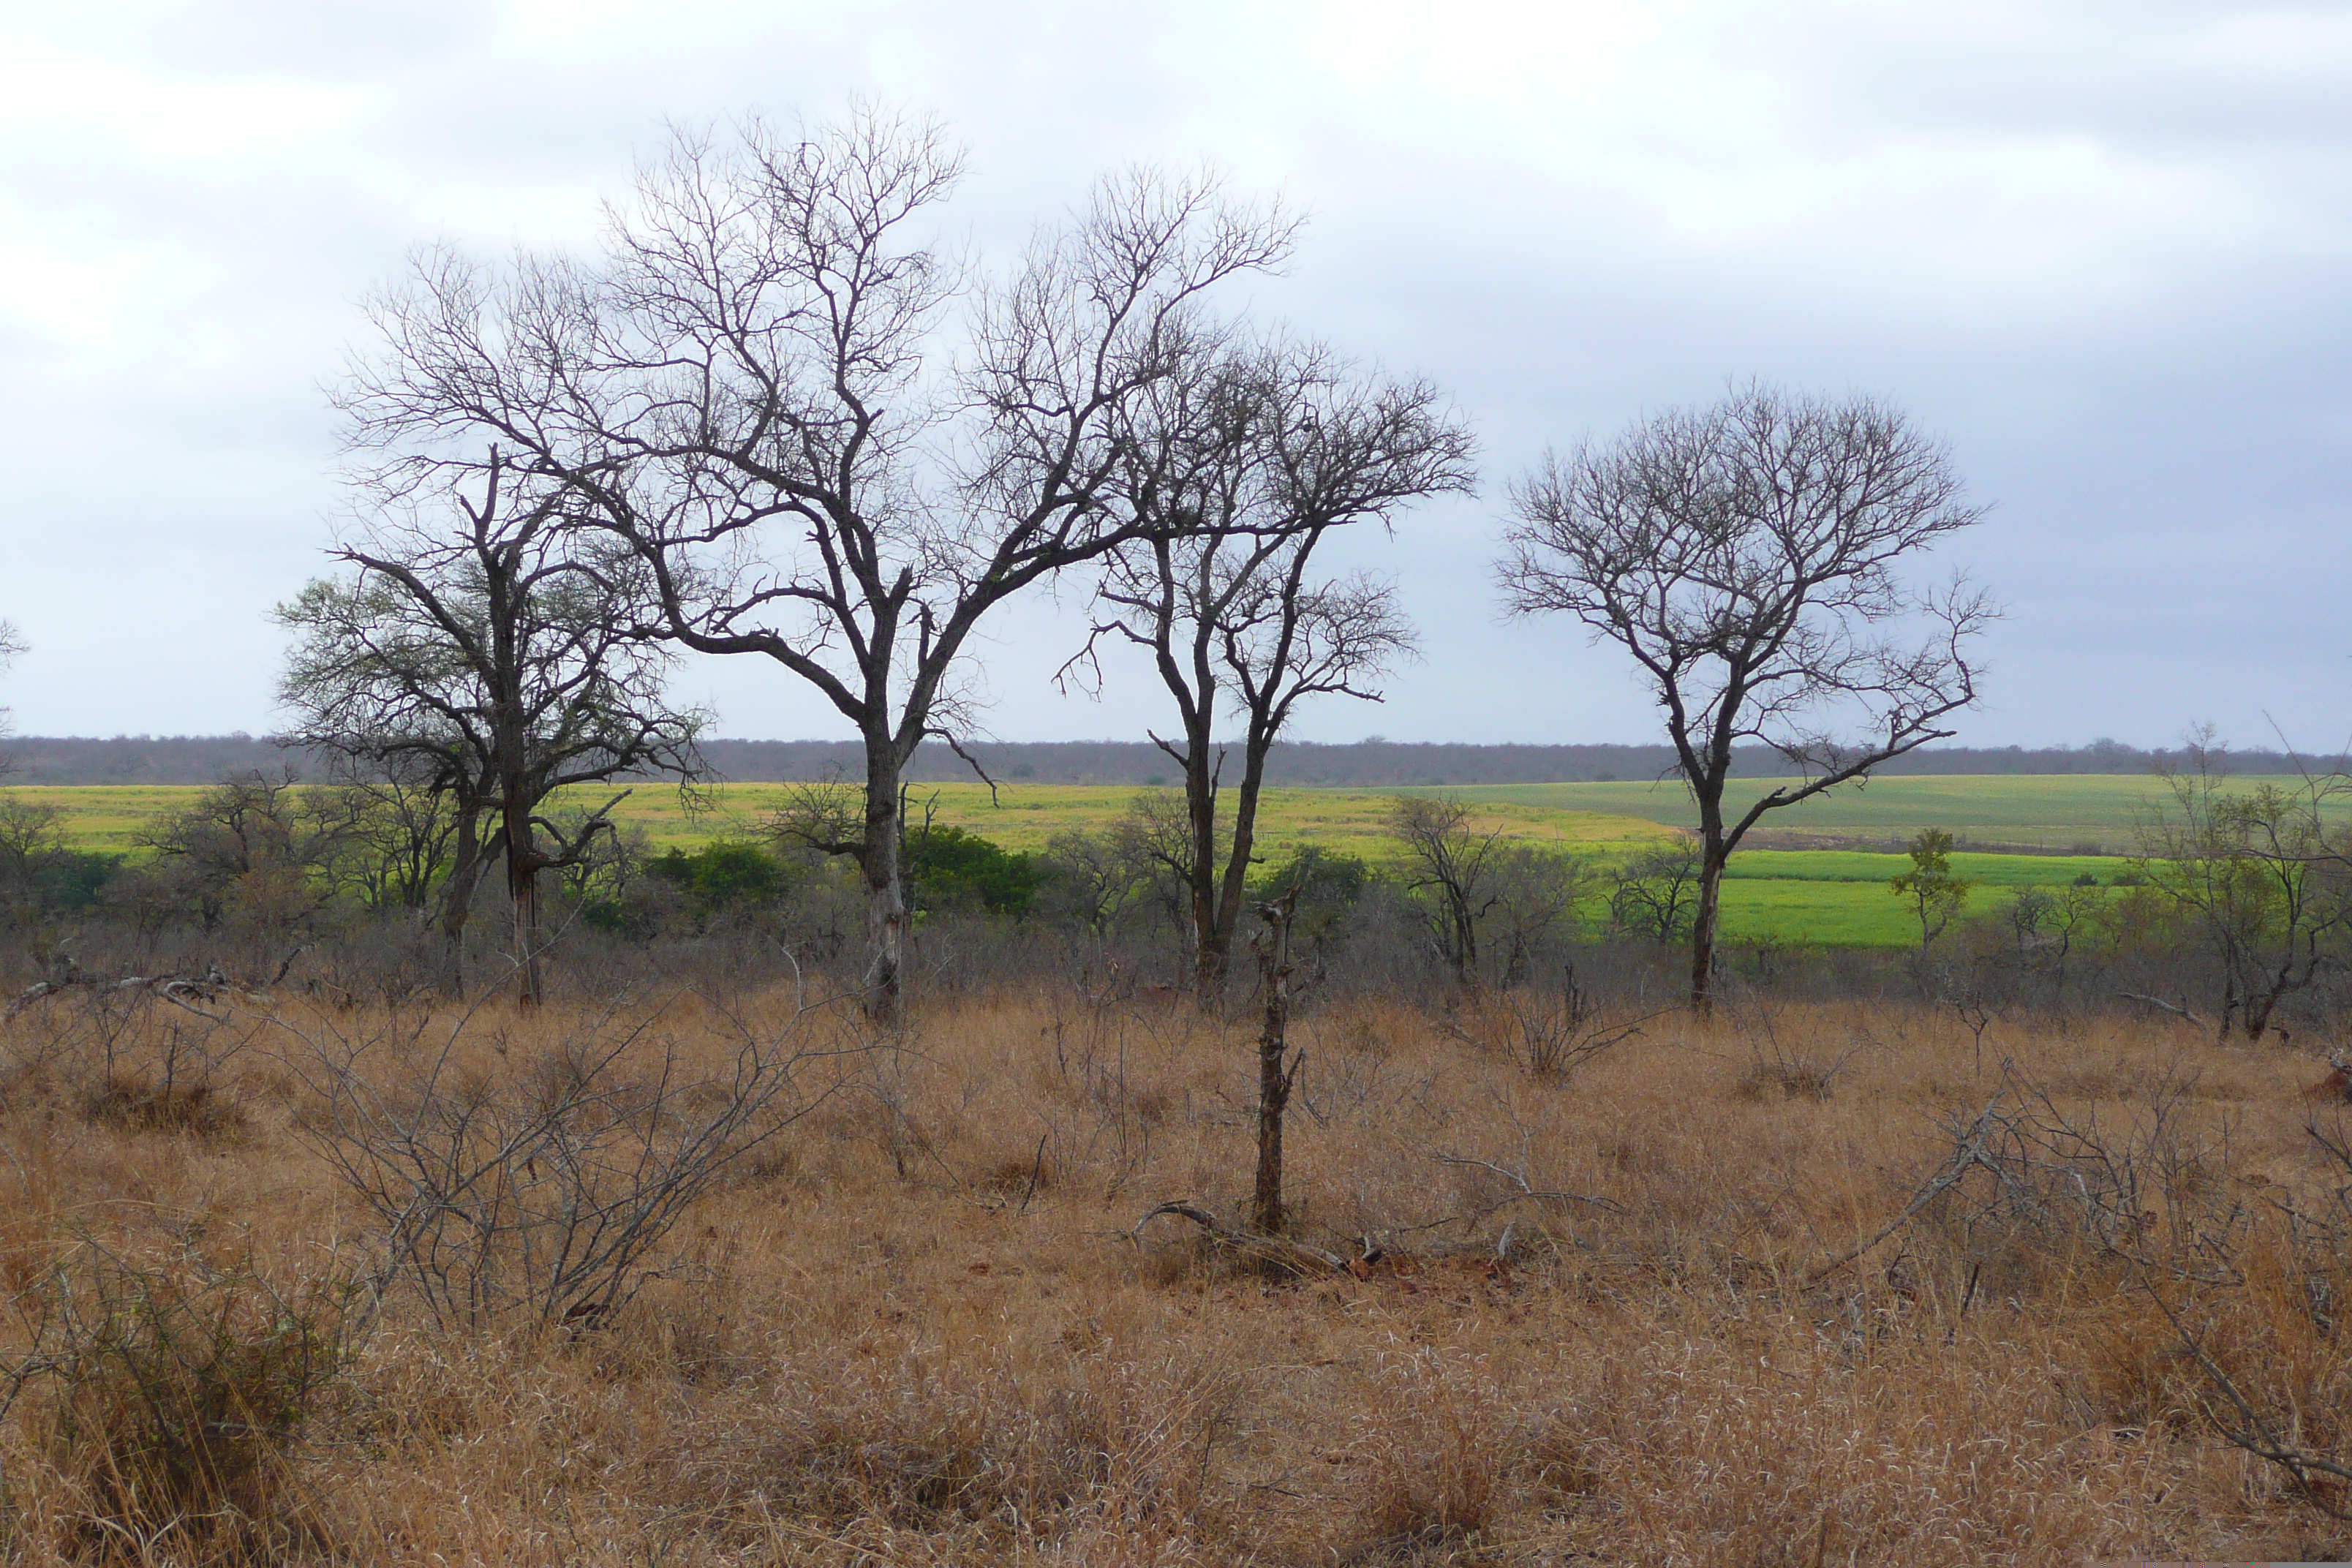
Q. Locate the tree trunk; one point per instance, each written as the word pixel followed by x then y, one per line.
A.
pixel 1710 888
pixel 522 882
pixel 1237 861
pixel 1274 1077
pixel 1209 942
pixel 1466 938
pixel 458 904
pixel 885 892
pixel 523 889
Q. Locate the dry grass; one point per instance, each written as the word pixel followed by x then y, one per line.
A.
pixel 913 1327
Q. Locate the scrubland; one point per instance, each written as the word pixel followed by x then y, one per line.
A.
pixel 1600 1315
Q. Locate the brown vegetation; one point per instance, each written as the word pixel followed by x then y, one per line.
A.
pixel 1644 1308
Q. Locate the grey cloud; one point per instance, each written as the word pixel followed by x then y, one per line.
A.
pixel 2102 248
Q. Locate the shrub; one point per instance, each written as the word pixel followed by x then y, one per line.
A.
pixel 719 875
pixel 950 866
pixel 168 1397
pixel 544 1192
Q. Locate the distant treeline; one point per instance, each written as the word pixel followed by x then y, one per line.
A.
pixel 207 759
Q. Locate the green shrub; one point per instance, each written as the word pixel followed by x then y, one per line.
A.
pixel 722 874
pixel 949 867
pixel 1329 883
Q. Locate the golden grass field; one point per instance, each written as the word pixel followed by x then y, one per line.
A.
pixel 916 1327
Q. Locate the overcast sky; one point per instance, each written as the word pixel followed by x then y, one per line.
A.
pixel 2104 250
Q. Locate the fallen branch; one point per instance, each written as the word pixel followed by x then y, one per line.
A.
pixel 1291 1255
pixel 2255 1435
pixel 1971 1154
pixel 2178 1010
pixel 180 990
pixel 1527 1192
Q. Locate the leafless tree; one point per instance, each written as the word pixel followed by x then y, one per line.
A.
pixel 31 838
pixel 1449 860
pixel 1243 466
pixel 253 846
pixel 490 646
pixel 757 390
pixel 1651 894
pixel 2046 923
pixel 1746 554
pixel 404 831
pixel 2257 872
pixel 11 647
pixel 1091 883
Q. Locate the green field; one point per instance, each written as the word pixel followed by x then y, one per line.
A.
pixel 2040 811
pixel 109 817
pixel 1835 896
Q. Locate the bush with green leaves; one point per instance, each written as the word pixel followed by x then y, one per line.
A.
pixel 1329 884
pixel 722 875
pixel 952 868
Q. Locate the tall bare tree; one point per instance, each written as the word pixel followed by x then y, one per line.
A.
pixel 759 389
pixel 488 644
pixel 11 647
pixel 1745 555
pixel 1243 466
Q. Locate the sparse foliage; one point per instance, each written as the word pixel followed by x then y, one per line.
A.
pixel 1934 893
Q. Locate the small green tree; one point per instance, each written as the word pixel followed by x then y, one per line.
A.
pixel 949 865
pixel 1934 893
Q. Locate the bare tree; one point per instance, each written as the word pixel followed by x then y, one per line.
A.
pixel 1243 468
pixel 1746 555
pixel 1448 867
pixel 12 648
pixel 2258 874
pixel 252 848
pixel 487 645
pixel 404 831
pixel 2045 923
pixel 757 392
pixel 1651 895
